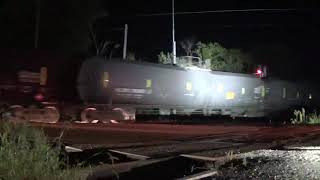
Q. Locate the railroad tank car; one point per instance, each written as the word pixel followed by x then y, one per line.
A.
pixel 33 84
pixel 165 89
pixel 284 96
pixel 119 89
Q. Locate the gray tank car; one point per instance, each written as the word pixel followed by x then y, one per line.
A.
pixel 165 89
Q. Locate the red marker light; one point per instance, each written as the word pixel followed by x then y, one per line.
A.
pixel 39 97
pixel 259 72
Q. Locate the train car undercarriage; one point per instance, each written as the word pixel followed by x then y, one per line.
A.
pixel 100 113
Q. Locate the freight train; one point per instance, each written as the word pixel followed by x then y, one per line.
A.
pixel 165 89
pixel 119 90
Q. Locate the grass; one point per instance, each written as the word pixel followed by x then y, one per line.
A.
pixel 314 118
pixel 26 154
pixel 301 117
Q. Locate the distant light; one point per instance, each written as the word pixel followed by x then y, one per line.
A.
pixel 39 97
pixel 106 80
pixel 259 71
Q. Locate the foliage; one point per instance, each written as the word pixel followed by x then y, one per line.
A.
pixel 187 45
pixel 131 56
pixel 165 58
pixel 112 48
pixel 222 59
pixel 25 154
pixel 238 61
pixel 230 155
pixel 212 51
pixel 210 56
pixel 300 117
pixel 314 118
pixel 101 47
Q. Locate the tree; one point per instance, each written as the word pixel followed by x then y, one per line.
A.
pixel 131 56
pixel 222 59
pixel 165 58
pixel 211 56
pixel 242 62
pixel 215 52
pixel 187 45
pixel 102 47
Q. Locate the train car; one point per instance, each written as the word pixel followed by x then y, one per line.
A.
pixel 285 96
pixel 118 89
pixel 28 77
pixel 166 89
pixel 35 83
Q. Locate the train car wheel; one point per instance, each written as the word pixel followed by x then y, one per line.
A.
pixel 85 115
pixel 49 114
pixel 52 114
pixel 16 113
pixel 123 113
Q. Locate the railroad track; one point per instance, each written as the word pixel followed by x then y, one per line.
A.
pixel 132 165
pixel 143 147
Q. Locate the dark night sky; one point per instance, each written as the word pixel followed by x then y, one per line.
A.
pixel 287 41
pixel 284 40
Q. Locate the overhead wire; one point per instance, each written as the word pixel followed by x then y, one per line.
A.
pixel 219 11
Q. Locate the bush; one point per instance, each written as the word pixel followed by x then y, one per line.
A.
pixel 165 58
pixel 301 117
pixel 314 118
pixel 25 154
pixel 223 59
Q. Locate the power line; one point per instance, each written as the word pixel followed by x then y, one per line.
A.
pixel 220 11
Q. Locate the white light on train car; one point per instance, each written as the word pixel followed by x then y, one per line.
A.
pixel 310 96
pixel 105 79
pixel 148 83
pixel 220 88
pixel 243 91
pixel 189 86
pixel 230 95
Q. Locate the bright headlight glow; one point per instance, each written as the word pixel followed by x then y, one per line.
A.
pixel 220 88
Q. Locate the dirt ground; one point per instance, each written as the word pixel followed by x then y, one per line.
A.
pixel 260 150
pixel 117 134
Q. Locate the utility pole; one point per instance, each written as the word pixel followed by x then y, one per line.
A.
pixel 173 37
pixel 37 23
pixel 125 41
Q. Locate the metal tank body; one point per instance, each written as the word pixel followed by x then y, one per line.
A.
pixel 146 85
pixel 287 96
